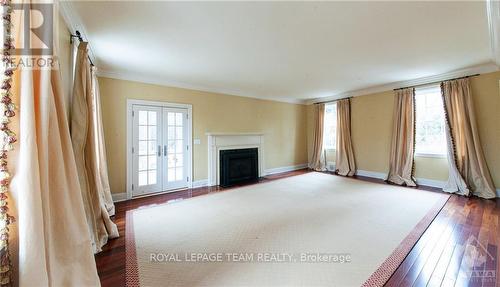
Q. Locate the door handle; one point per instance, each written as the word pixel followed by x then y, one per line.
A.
pixel 165 150
pixel 159 150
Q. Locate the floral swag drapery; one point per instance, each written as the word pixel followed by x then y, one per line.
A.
pixel 8 139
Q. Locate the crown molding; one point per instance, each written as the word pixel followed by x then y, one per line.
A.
pixel 167 83
pixel 479 69
pixel 74 23
pixel 493 12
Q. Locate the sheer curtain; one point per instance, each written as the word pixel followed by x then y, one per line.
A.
pixel 318 161
pixel 344 162
pixel 54 247
pixel 403 139
pixel 85 135
pixel 468 172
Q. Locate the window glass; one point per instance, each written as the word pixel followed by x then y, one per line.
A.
pixel 430 122
pixel 330 126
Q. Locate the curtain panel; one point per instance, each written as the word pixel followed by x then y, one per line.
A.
pixel 318 161
pixel 344 162
pixel 101 172
pixel 53 242
pixel 468 170
pixel 401 165
pixel 85 139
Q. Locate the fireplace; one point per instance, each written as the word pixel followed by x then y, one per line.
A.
pixel 218 142
pixel 238 166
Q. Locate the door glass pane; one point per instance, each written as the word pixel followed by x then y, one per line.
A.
pixel 171 119
pixel 171 133
pixel 178 119
pixel 143 162
pixel 147 139
pixel 178 146
pixel 143 132
pixel 143 147
pixel 178 133
pixel 179 159
pixel 171 146
pixel 152 177
pixel 171 160
pixel 152 118
pixel 178 173
pixel 152 148
pixel 152 162
pixel 143 117
pixel 152 132
pixel 171 174
pixel 143 178
pixel 175 146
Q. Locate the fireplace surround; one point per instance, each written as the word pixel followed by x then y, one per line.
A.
pixel 230 141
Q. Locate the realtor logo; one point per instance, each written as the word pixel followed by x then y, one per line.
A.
pixel 37 29
pixel 479 263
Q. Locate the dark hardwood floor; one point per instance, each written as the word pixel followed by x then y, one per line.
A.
pixel 464 228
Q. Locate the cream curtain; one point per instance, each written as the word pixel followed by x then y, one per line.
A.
pixel 318 162
pixel 455 183
pixel 54 247
pixel 403 139
pixel 470 164
pixel 344 162
pixel 83 136
pixel 73 53
pixel 101 162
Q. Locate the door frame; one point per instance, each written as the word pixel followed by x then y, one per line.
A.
pixel 130 104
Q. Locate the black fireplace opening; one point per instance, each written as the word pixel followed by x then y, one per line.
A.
pixel 238 166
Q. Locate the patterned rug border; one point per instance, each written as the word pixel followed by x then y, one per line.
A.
pixel 377 279
pixel 131 268
pixel 391 264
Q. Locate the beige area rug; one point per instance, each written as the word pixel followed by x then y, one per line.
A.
pixel 308 230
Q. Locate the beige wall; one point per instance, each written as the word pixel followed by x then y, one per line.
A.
pixel 371 123
pixel 372 128
pixel 486 94
pixel 288 126
pixel 284 124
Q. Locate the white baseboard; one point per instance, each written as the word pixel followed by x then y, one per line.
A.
pixel 200 183
pixel 284 169
pixel 204 182
pixel 431 182
pixel 420 181
pixel 117 197
pixel 372 174
pixel 383 176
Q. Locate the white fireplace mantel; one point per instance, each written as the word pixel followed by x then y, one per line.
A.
pixel 224 141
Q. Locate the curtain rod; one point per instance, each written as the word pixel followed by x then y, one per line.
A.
pixel 331 101
pixel 464 77
pixel 78 35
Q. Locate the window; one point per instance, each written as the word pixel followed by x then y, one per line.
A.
pixel 430 122
pixel 330 126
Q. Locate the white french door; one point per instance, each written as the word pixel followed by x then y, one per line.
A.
pixel 160 156
pixel 146 149
pixel 175 148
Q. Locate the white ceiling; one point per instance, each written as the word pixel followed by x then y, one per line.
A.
pixel 288 51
